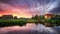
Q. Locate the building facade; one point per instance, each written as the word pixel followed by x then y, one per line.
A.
pixel 49 16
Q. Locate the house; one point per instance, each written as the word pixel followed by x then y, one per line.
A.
pixel 7 16
pixel 49 16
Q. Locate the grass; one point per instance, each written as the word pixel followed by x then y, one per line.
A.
pixel 11 22
pixel 20 22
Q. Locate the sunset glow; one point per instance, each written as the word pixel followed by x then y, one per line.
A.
pixel 27 8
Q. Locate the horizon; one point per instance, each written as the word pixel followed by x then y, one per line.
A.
pixel 28 17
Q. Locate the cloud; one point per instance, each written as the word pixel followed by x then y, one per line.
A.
pixel 30 7
pixel 55 10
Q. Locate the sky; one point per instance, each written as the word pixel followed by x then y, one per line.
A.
pixel 28 8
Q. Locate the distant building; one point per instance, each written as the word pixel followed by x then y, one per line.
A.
pixel 49 16
pixel 7 16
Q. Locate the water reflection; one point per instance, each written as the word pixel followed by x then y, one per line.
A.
pixel 30 28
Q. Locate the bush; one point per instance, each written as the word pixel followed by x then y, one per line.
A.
pixel 12 22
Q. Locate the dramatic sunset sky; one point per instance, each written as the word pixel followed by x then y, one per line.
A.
pixel 27 8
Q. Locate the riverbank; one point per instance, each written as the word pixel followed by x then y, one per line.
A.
pixel 12 22
pixel 21 22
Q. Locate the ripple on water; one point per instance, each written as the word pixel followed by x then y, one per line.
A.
pixel 30 28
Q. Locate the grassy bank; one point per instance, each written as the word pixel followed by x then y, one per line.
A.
pixel 20 22
pixel 11 22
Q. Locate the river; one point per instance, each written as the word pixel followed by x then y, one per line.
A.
pixel 30 28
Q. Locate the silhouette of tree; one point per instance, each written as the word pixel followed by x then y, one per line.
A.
pixel 15 17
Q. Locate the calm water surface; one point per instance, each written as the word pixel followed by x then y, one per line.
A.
pixel 30 28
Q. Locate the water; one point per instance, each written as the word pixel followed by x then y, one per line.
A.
pixel 30 28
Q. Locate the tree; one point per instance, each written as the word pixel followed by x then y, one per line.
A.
pixel 15 17
pixel 35 17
